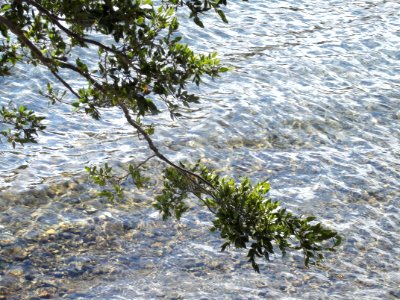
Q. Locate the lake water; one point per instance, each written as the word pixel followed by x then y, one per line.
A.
pixel 313 104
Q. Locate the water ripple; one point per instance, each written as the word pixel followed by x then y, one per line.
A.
pixel 313 104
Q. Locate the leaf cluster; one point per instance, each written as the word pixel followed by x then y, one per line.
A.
pixel 141 67
pixel 246 217
pixel 144 60
pixel 111 184
pixel 22 125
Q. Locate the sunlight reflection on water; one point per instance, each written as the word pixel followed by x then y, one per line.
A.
pixel 313 104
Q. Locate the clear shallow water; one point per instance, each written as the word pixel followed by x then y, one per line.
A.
pixel 313 104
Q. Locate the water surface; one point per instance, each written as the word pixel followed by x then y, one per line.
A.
pixel 313 104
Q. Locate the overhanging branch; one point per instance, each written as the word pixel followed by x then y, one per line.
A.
pixel 51 64
pixel 54 19
pixel 156 151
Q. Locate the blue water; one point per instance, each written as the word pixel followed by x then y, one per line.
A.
pixel 313 104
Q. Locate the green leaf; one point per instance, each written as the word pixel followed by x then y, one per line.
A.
pixel 198 22
pixel 5 7
pixel 222 16
pixel 224 69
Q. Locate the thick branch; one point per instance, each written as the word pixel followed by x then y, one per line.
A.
pixel 48 62
pixel 23 39
pixel 51 64
pixel 68 31
pixel 78 37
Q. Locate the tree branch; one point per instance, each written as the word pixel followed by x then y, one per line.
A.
pixel 78 37
pixel 119 179
pixel 51 63
pixel 65 84
pixel 48 62
pixel 149 141
pixel 54 19
pixel 23 39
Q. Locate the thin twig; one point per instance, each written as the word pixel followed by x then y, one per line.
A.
pixel 156 151
pixel 119 179
pixel 65 84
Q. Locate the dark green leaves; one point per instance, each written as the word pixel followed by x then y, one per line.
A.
pixel 198 22
pixel 20 125
pixel 83 67
pixel 171 201
pixel 245 217
pixel 138 179
pixel 198 7
pixel 9 55
pixel 103 176
pixel 5 7
pixel 222 15
pixel 142 60
pixel 111 184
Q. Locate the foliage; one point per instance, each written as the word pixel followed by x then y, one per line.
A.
pixel 111 184
pixel 245 217
pixel 140 66
pixel 22 125
pixel 146 59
